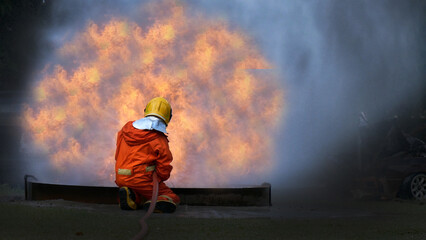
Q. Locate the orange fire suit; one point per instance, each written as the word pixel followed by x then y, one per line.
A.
pixel 138 154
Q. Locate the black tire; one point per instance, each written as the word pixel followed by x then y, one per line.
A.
pixel 414 187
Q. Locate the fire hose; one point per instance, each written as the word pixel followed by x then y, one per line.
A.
pixel 144 226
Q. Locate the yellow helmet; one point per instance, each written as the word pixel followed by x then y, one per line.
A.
pixel 159 107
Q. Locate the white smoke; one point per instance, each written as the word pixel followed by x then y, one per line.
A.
pixel 337 58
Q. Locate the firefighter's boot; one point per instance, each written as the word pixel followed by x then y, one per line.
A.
pixel 161 207
pixel 127 199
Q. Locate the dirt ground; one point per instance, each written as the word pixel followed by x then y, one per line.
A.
pixel 295 217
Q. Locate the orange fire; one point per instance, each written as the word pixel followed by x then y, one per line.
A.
pixel 224 108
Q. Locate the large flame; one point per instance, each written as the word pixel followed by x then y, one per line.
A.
pixel 224 108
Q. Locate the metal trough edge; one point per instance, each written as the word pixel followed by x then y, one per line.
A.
pixel 244 196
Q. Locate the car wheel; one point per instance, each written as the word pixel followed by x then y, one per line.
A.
pixel 414 186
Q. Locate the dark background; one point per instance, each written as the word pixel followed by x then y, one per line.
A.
pixel 21 25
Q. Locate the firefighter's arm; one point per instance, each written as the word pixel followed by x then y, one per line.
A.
pixel 119 138
pixel 164 158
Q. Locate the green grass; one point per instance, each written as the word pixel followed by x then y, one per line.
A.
pixel 23 221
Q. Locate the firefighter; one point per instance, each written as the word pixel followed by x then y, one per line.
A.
pixel 142 148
